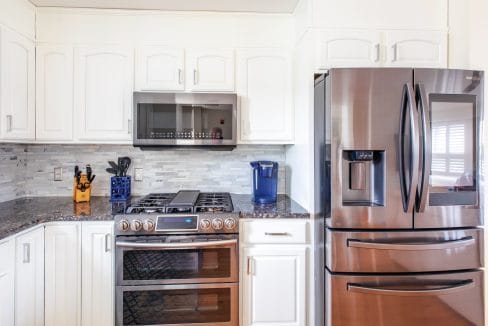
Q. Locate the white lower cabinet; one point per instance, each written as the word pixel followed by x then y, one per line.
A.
pixel 63 279
pixel 273 286
pixel 7 267
pixel 97 276
pixel 29 278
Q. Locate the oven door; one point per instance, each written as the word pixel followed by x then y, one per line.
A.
pixel 190 304
pixel 148 260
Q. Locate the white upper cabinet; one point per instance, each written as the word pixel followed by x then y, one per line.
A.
pixel 7 268
pixel 54 93
pixel 103 86
pixel 264 86
pixel 416 49
pixel 29 278
pixel 97 276
pixel 210 70
pixel 17 86
pixel 160 68
pixel 348 48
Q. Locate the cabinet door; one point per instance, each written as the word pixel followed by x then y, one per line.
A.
pixel 210 70
pixel 266 102
pixel 103 93
pixel 62 275
pixel 348 48
pixel 17 84
pixel 160 69
pixel 97 307
pixel 29 278
pixel 274 286
pixel 416 49
pixel 7 257
pixel 54 92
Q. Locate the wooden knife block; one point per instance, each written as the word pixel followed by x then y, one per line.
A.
pixel 80 196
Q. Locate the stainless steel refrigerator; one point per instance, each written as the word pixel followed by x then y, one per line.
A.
pixel 398 179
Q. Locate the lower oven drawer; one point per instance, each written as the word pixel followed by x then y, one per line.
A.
pixel 403 251
pixel 447 299
pixel 189 304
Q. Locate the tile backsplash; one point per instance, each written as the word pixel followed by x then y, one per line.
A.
pixel 28 170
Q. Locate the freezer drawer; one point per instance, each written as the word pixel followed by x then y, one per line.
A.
pixel 405 300
pixel 404 251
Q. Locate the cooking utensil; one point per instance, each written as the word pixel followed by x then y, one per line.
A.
pixel 126 162
pixel 112 171
pixel 114 166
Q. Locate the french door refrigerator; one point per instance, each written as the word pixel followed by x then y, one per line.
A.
pixel 398 157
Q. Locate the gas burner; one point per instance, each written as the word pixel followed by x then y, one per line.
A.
pixel 152 203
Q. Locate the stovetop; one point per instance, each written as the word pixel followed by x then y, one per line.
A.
pixel 185 201
pixel 188 211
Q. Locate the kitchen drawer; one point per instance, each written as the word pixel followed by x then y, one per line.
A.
pixel 276 231
pixel 404 251
pixel 447 299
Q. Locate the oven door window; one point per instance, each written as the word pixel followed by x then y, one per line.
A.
pixel 175 305
pixel 181 121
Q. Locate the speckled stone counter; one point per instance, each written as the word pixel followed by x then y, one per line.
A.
pixel 285 207
pixel 20 214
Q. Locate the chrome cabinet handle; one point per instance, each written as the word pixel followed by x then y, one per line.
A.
pixel 26 249
pixel 9 122
pixel 407 105
pixel 395 53
pixel 277 234
pixel 107 242
pixel 180 79
pixel 129 126
pixel 174 245
pixel 195 77
pixel 438 245
pixel 250 266
pixel 443 289
pixel 426 151
pixel 377 49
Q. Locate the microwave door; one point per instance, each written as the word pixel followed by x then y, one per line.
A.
pixel 449 104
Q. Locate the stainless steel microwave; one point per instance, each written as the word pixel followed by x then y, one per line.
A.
pixel 185 119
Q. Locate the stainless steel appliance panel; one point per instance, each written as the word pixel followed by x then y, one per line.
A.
pixel 177 305
pixel 404 251
pixel 450 103
pixel 365 106
pixel 448 299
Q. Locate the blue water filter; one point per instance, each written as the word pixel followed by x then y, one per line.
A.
pixel 265 181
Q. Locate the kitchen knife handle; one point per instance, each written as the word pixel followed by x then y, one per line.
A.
pixel 9 122
pixel 26 248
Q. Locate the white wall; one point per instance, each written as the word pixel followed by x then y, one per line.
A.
pixel 186 29
pixel 19 15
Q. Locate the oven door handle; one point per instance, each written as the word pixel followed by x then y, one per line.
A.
pixel 129 244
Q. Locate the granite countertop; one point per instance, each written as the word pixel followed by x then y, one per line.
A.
pixel 23 213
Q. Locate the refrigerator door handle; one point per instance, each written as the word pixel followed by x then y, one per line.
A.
pixel 407 105
pixel 416 246
pixel 429 290
pixel 426 137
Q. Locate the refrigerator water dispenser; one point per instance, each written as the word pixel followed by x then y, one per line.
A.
pixel 363 178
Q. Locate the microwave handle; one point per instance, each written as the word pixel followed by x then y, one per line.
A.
pixel 129 244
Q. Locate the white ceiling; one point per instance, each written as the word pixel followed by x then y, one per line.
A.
pixel 266 6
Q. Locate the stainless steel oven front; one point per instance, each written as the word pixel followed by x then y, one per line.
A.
pixel 177 280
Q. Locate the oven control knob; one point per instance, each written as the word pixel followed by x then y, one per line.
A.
pixel 205 224
pixel 217 224
pixel 124 225
pixel 136 225
pixel 148 225
pixel 230 224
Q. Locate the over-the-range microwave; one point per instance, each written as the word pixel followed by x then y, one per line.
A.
pixel 201 120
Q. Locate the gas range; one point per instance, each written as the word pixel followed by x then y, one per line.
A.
pixel 188 211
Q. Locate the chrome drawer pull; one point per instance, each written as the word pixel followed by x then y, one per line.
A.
pixel 277 234
pixel 174 245
pixel 446 289
pixel 440 245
